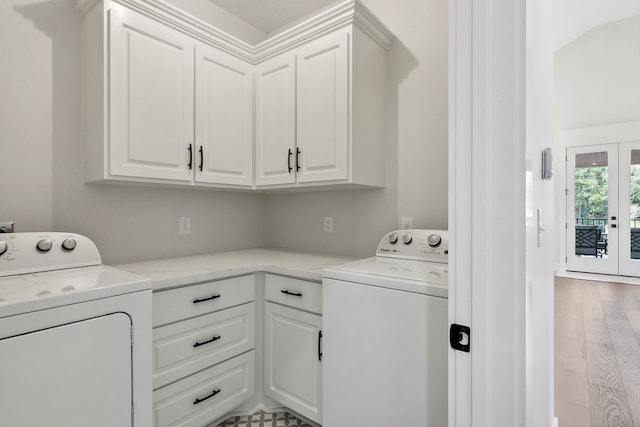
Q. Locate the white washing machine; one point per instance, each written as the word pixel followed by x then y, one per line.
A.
pixel 75 335
pixel 385 335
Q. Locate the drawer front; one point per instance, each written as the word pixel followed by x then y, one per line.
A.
pixel 207 395
pixel 183 348
pixel 295 293
pixel 190 301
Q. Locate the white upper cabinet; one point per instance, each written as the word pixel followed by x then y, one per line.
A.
pixel 276 120
pixel 170 99
pixel 224 118
pixel 323 109
pixel 320 113
pixel 151 108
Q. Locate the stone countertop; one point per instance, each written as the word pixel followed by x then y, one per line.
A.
pixel 173 272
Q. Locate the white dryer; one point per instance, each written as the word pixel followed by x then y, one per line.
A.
pixel 75 335
pixel 385 335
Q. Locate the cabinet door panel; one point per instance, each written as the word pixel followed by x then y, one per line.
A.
pixel 323 108
pixel 275 121
pixel 293 371
pixel 224 117
pixel 151 98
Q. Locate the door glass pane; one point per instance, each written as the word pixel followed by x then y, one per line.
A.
pixel 591 204
pixel 634 211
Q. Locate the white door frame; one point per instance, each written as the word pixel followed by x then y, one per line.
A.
pixel 494 169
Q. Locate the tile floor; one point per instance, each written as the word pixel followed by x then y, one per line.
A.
pixel 263 419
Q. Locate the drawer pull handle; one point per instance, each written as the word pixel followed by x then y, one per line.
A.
pixel 320 346
pixel 213 393
pixel 195 301
pixel 295 294
pixel 198 344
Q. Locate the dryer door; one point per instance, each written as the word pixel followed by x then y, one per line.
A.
pixel 78 374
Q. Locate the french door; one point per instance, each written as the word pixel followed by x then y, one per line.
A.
pixel 603 209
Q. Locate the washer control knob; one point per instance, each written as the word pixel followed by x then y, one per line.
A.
pixel 434 240
pixel 44 245
pixel 69 244
pixel 406 239
pixel 3 247
pixel 393 238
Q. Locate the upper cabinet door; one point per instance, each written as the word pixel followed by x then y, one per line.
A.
pixel 151 105
pixel 224 118
pixel 275 121
pixel 323 108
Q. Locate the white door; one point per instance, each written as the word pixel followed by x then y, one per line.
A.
pixel 592 209
pixel 73 375
pixel 151 98
pixel 323 108
pixel 603 209
pixel 629 200
pixel 293 369
pixel 276 121
pixel 224 118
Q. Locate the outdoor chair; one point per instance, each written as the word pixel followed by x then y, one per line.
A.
pixel 587 237
pixel 635 243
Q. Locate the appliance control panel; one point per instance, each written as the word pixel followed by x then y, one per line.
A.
pixel 22 253
pixel 416 244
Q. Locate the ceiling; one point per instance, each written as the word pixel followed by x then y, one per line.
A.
pixel 573 18
pixel 269 15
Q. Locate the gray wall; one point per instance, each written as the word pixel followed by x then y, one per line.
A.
pixel 416 152
pixel 42 186
pixel 41 181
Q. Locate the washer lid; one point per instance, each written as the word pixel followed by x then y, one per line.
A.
pixel 31 292
pixel 407 275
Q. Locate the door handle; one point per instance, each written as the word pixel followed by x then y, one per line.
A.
pixel 289 160
pixel 190 157
pixel 201 158
pixel 297 159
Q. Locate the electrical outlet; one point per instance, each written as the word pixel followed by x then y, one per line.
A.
pixel 406 223
pixel 328 224
pixel 184 224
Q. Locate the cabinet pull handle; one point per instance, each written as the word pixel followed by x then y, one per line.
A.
pixel 196 301
pixel 289 160
pixel 320 346
pixel 297 159
pixel 214 339
pixel 190 157
pixel 201 158
pixel 295 294
pixel 202 399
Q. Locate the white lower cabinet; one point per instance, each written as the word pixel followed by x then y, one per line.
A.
pixel 203 351
pixel 201 398
pixel 293 345
pixel 204 355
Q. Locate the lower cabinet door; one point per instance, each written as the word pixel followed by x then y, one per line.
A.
pixel 293 366
pixel 207 395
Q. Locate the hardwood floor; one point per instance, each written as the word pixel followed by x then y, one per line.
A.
pixel 597 353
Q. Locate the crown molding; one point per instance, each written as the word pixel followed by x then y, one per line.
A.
pixel 349 12
pixel 171 16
